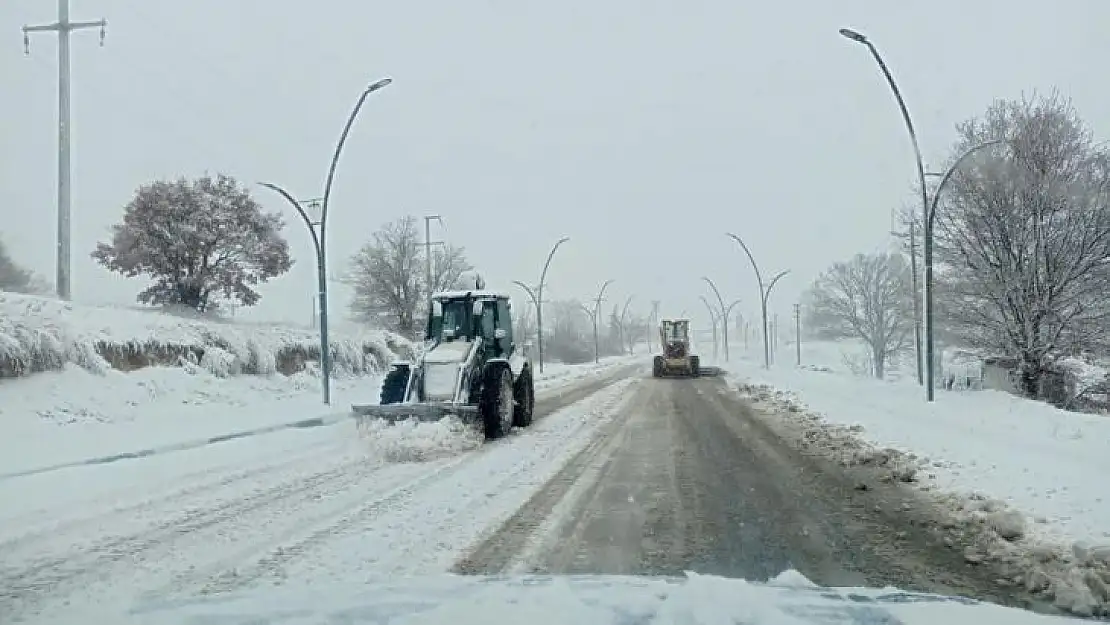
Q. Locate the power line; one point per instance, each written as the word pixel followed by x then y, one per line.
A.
pixel 63 27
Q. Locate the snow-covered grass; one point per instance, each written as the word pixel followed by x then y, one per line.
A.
pixel 41 334
pixel 1035 475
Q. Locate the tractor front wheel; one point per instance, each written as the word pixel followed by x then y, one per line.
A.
pixel 393 386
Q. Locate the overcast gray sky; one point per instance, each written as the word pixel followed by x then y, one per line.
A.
pixel 642 129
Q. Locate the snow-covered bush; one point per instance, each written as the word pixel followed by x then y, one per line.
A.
pixel 41 334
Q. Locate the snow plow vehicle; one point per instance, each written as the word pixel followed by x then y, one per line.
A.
pixel 471 366
pixel 676 359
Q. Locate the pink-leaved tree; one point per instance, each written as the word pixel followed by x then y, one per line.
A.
pixel 201 241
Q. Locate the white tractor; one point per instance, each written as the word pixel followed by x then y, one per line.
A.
pixel 472 366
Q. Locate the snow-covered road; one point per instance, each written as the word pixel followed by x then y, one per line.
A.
pixel 318 504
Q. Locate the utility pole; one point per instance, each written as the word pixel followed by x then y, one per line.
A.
pixel 63 27
pixel 774 338
pixel 428 243
pixel 654 322
pixel 798 332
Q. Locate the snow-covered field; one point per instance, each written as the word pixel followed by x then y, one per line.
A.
pixel 325 504
pixel 86 409
pixel 1035 473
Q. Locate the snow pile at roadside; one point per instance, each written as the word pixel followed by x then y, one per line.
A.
pixel 559 374
pixel 415 441
pixel 1030 475
pixel 41 334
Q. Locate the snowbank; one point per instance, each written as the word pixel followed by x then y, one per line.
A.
pixel 1033 475
pixel 40 334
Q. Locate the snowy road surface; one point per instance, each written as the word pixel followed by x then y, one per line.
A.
pixel 619 474
pixel 317 505
pixel 688 478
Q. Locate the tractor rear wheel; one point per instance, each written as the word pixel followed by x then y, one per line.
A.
pixel 524 399
pixel 695 366
pixel 496 403
pixel 657 366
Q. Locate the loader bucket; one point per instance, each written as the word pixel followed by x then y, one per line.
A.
pixel 393 413
pixel 709 371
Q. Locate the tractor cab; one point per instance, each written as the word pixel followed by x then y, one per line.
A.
pixel 465 315
pixel 675 337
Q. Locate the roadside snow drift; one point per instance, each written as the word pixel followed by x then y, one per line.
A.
pixel 41 334
pixel 1033 475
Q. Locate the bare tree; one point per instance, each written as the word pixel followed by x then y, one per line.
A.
pixel 388 276
pixel 385 275
pixel 1023 237
pixel 448 264
pixel 637 329
pixel 868 297
pixel 569 337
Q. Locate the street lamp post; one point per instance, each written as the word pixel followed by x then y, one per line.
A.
pixel 538 298
pixel 861 39
pixel 594 316
pixel 724 313
pixel 624 333
pixel 764 295
pixel 319 239
pixel 930 217
pixel 712 322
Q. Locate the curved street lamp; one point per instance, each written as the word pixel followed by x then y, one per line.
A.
pixel 725 311
pixel 764 295
pixel 624 313
pixel 319 240
pixel 930 218
pixel 712 321
pixel 861 39
pixel 538 298
pixel 594 317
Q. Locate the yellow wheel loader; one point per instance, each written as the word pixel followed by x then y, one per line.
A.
pixel 676 359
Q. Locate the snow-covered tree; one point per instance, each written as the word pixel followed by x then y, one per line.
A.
pixel 201 241
pixel 869 298
pixel 13 277
pixel 1023 236
pixel 388 275
pixel 568 333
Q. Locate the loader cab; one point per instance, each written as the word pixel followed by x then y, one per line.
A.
pixel 676 330
pixel 465 316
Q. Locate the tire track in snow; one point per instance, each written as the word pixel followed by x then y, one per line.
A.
pixel 30 583
pixel 48 525
pixel 229 574
pixel 95 568
pixel 501 548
